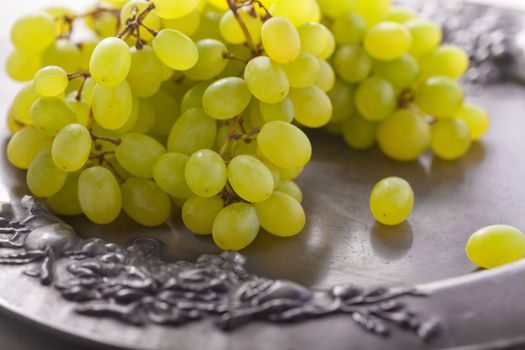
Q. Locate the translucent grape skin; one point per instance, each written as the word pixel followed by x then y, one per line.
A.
pixel 145 73
pixel 205 173
pixel 314 37
pixel 112 106
pixel 284 145
pixel 138 154
pixel 33 33
pixel 450 138
pixel 211 61
pixel 448 60
pixel 349 28
pixel 110 62
pixel 243 172
pixel 476 118
pixel 51 114
pixel 281 40
pixel 43 178
pixel 71 148
pixel 281 215
pixel 198 214
pixel 175 49
pixel 352 63
pixel 495 245
pixel 62 53
pixel 359 133
pixel 175 9
pixel 25 145
pixel 22 66
pixel 291 188
pixel 266 80
pixel 440 97
pixel 326 79
pixel 24 99
pixel 236 226
pixel 283 111
pixel 99 195
pixel 303 71
pixel 402 73
pixel 391 201
pixel 426 37
pixel 375 99
pixel 168 173
pixel 51 81
pixel 65 201
pixel 231 30
pixel 232 89
pixel 194 130
pixel 312 106
pixel 387 41
pixel 145 202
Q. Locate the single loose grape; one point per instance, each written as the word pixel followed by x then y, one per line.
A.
pixel 281 215
pixel 145 202
pixel 392 201
pixel 291 188
pixel 22 66
pixel 226 98
pixel 375 99
pixel 426 37
pixel 235 227
pixel 476 119
pixel 71 148
pixel 43 178
pixel 145 73
pixel 448 60
pixel 110 62
pixel 404 135
pixel 440 97
pixel 387 41
pixel 112 107
pixel 281 40
pixel 284 144
pixel 283 111
pixel 211 61
pixel 168 173
pixel 231 30
pixel 175 9
pixel 51 114
pixel 175 49
pixel 198 214
pixel 205 173
pixel 352 63
pixel 359 133
pixel 266 80
pixel 25 145
pixel 138 154
pixel 312 106
pixel 65 201
pixel 246 171
pixel 194 130
pixel 496 245
pixel 99 195
pixel 450 138
pixel 33 33
pixel 303 71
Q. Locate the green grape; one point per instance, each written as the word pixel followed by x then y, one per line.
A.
pixel 312 106
pixel 22 103
pixel 284 144
pixel 87 91
pixel 450 138
pixel 303 71
pixel 404 136
pixel 43 178
pixel 336 8
pixel 65 201
pixel 352 63
pixel 342 97
pixel 283 111
pixel 71 148
pixel 187 24
pixel 375 99
pixel 226 98
pixel 81 110
pixel 297 11
pixel 25 145
pixel 359 133
pixel 281 215
pixel 115 3
pixel 193 97
pixel 198 214
pixel 440 97
pixel 235 67
pixel 448 60
pixel 175 49
pixel 50 114
pixel 194 130
pixel 402 73
pixel 112 106
pixel 476 118
pixel 235 227
pixel 209 26
pixel 326 79
pixel 33 33
pixel 250 178
pixel 51 81
pixel 175 9
pixel 349 28
pixel 290 188
pixel 496 245
pixel 86 51
pixel 99 195
pixel 168 173
pixel 244 148
pixel 110 62
pixel 132 120
pixel 426 37
pixel 105 24
pixel 211 61
pixel 387 41
pixel 64 54
pixel 58 13
pixel 22 66
pixel 266 80
pixel 12 124
pixel 335 128
pixel 314 37
pixel 146 118
pixel 152 20
pixel 144 202
pixel 231 30
pixel 166 111
pixel 281 40
pixel 138 154
pixel 391 201
pixel 400 14
pixel 274 169
pixel 252 117
pixel 219 4
pixel 205 173
pixel 290 173
pixel 372 11
pixel 145 73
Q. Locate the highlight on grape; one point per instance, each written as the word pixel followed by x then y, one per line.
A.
pixel 202 105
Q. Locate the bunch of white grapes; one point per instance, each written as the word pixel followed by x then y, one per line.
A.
pixel 200 104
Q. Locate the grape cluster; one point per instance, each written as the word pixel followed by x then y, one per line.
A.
pixel 200 104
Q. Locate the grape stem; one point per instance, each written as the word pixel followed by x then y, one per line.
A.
pixel 233 126
pixel 134 23
pixel 106 139
pixel 75 75
pixel 232 56
pixel 235 10
pixel 68 20
pixel 261 5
